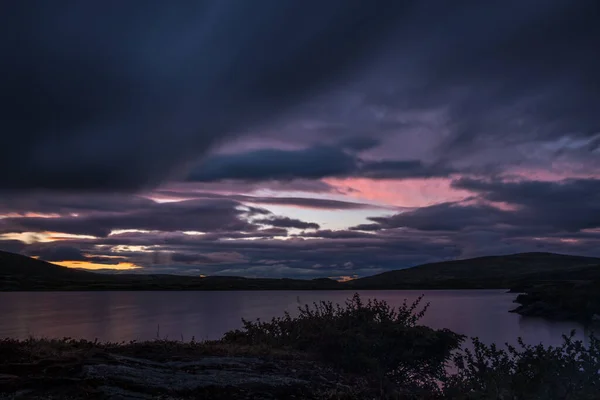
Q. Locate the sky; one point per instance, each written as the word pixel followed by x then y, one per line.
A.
pixel 297 139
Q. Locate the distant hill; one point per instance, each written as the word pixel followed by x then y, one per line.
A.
pixel 19 272
pixel 19 266
pixel 486 272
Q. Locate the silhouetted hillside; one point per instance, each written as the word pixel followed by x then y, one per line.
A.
pixel 486 272
pixel 19 266
pixel 19 272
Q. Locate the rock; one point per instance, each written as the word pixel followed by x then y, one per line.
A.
pixel 133 360
pixel 118 377
pixel 19 394
pixel 149 377
pixel 205 362
pixel 115 393
pixel 538 309
pixel 7 378
pixel 217 362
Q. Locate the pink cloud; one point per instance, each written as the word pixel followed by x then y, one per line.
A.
pixel 403 193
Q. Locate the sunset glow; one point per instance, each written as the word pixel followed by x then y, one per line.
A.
pixel 402 193
pixel 122 266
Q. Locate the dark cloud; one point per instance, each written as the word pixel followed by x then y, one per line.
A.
pixel 58 253
pixel 52 252
pixel 194 215
pixel 126 106
pixel 331 234
pixel 261 233
pixel 569 205
pixel 320 253
pixel 211 258
pixel 302 202
pixel 536 216
pixel 311 163
pixel 535 193
pixel 12 246
pixel 305 202
pixel 286 222
pixel 440 217
pixel 333 251
pixel 114 95
pixel 500 73
pixel 183 189
pixel 367 227
pixel 359 143
pixel 402 170
pixel 530 208
pixel 69 203
pixel 188 258
pixel 494 92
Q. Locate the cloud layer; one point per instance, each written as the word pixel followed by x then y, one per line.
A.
pixel 301 138
pixel 114 95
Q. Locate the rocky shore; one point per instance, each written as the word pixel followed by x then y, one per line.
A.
pixel 68 369
pixel 569 300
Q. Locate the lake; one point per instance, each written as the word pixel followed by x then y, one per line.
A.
pixel 125 316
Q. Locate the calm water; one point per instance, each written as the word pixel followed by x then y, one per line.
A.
pixel 124 316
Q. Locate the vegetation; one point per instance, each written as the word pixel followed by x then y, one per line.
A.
pixel 567 372
pixel 362 350
pixel 376 340
pixel 369 338
pixel 569 300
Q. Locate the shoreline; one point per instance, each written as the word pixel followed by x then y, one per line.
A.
pixel 561 301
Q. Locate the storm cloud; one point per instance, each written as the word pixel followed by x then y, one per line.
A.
pixel 531 208
pixel 310 163
pixel 296 138
pixel 286 222
pixel 122 95
pixel 182 216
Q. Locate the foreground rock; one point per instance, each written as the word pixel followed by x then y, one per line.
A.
pixel 99 373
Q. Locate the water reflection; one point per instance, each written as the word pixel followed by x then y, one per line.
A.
pixel 124 316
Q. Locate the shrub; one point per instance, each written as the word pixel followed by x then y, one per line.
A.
pixel 567 372
pixel 370 338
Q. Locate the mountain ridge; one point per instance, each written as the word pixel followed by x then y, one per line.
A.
pixel 501 271
pixel 19 272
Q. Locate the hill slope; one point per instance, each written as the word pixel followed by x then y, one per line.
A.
pixel 19 272
pixel 486 272
pixel 19 266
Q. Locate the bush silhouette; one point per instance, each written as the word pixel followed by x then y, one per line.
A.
pixel 362 337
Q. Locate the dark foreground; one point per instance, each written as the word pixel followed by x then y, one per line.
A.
pixel 40 369
pixel 360 350
pixel 567 300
